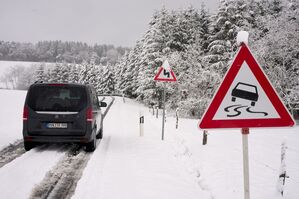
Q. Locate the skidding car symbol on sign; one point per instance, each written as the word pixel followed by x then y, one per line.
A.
pixel 245 91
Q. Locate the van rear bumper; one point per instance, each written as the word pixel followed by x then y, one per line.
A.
pixel 58 139
pixel 54 137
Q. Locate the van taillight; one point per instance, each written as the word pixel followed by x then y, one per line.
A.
pixel 89 115
pixel 25 113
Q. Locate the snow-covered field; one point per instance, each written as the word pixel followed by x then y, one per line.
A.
pixel 5 65
pixel 126 165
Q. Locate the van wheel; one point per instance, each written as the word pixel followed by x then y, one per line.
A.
pixel 92 145
pixel 28 145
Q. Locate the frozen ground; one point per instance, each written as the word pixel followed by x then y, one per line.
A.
pixel 126 165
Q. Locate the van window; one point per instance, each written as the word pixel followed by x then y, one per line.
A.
pixel 57 98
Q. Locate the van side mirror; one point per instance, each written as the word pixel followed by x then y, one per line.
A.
pixel 103 104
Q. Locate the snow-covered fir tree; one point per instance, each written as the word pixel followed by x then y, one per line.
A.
pixel 74 74
pixel 63 74
pixel 108 83
pixel 54 73
pixel 39 74
pixel 83 70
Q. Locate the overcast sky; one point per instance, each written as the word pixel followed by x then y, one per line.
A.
pixel 117 22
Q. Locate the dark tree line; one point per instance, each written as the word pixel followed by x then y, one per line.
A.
pixel 59 51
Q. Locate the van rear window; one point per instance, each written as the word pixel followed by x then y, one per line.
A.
pixel 57 98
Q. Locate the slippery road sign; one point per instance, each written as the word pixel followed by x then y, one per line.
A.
pixel 165 74
pixel 245 98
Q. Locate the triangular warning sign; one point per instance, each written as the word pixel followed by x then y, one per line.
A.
pixel 165 74
pixel 245 98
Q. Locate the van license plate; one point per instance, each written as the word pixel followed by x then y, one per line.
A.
pixel 57 125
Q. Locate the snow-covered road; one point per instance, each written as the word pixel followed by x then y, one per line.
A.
pixel 128 166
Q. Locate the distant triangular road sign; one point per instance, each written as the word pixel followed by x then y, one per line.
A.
pixel 165 74
pixel 245 98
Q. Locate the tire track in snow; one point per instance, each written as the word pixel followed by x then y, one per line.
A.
pixel 11 152
pixel 61 181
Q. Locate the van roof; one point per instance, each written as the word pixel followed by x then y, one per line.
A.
pixel 59 84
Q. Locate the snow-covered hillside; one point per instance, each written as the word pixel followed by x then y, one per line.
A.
pixel 126 165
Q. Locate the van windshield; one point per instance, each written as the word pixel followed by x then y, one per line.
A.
pixel 57 98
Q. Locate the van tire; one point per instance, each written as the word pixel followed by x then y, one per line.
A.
pixel 28 145
pixel 92 145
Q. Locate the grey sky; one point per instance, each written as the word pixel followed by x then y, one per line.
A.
pixel 117 22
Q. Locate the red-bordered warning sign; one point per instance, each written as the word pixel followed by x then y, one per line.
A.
pixel 165 74
pixel 245 98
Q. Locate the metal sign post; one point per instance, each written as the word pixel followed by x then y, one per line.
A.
pixel 163 118
pixel 245 132
pixel 165 74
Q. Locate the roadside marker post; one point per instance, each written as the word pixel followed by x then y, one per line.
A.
pixel 177 118
pixel 141 123
pixel 282 173
pixel 204 137
pixel 165 74
pixel 245 99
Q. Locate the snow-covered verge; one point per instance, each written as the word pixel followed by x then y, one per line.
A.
pixel 130 166
pixel 126 165
pixel 220 162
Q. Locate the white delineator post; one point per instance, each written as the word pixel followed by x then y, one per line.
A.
pixel 177 118
pixel 283 171
pixel 141 123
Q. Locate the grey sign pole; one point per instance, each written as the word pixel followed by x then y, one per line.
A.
pixel 163 118
pixel 245 132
